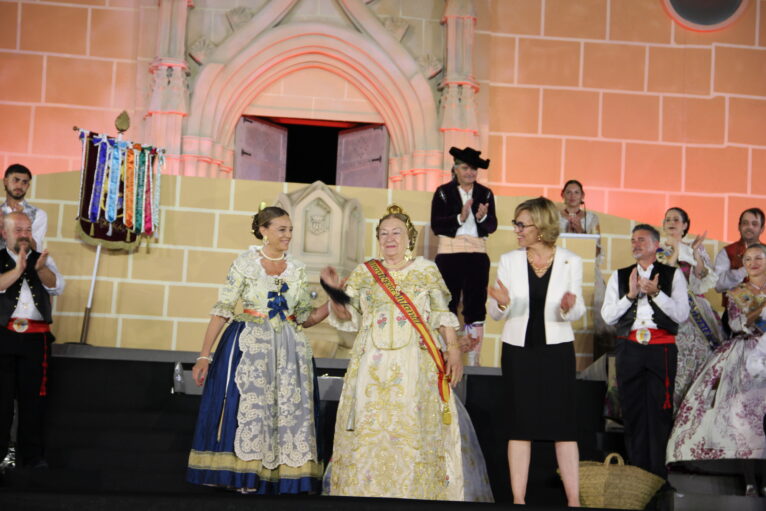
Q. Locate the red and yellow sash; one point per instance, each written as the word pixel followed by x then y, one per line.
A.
pixel 405 305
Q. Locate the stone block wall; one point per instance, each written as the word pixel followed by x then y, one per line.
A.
pixel 159 296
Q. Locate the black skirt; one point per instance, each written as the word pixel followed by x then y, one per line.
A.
pixel 539 392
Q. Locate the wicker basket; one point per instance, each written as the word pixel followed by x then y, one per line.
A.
pixel 618 486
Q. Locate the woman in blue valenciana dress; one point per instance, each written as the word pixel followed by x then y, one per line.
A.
pixel 256 429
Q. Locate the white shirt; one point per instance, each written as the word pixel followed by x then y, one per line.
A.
pixel 25 308
pixel 469 226
pixel 728 278
pixel 675 306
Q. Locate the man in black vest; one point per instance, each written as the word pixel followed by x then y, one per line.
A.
pixel 646 301
pixel 27 280
pixel 462 216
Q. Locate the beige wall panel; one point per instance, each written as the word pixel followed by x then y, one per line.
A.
pixel 101 331
pixel 187 228
pixel 205 193
pixel 416 204
pixel 113 263
pixel 140 299
pixel 249 194
pixel 210 267
pixel 234 232
pixel 189 336
pixel 372 200
pixel 168 190
pixel 62 186
pixel 68 222
pixel 190 301
pixel 75 296
pixel 72 258
pixel 155 263
pixel 147 334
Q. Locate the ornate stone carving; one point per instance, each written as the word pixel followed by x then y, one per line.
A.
pixel 396 26
pixel 327 229
pixel 201 49
pixel 238 17
pixel 430 65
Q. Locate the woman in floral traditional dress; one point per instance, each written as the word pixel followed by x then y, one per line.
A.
pixel 721 416
pixel 256 429
pixel 699 335
pixel 400 431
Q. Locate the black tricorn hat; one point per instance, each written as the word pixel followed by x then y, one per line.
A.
pixel 470 156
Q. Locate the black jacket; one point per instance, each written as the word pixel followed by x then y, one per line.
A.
pixel 446 205
pixel 10 299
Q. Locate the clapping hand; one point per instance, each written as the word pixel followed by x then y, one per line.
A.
pixel 697 243
pixel 500 294
pixel 568 301
pixel 647 286
pixel 481 212
pixel 466 210
pixel 40 264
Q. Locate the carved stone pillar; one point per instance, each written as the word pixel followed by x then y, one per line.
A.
pixel 169 102
pixel 459 122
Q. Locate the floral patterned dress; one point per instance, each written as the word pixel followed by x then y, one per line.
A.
pixel 256 426
pixel 699 335
pixel 721 416
pixel 390 439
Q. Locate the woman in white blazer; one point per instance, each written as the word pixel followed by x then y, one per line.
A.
pixel 539 293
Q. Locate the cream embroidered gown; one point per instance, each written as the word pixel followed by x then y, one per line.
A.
pixel 390 440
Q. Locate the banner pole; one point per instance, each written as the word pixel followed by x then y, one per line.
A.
pixel 89 306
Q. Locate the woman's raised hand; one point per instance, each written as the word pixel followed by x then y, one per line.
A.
pixel 330 276
pixel 500 294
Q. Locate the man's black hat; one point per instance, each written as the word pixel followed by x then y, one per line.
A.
pixel 470 156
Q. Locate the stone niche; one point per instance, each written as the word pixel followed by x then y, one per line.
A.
pixel 328 229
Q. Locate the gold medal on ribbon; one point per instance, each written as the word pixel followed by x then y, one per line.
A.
pixel 643 335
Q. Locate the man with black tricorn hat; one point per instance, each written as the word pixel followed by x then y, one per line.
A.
pixel 462 216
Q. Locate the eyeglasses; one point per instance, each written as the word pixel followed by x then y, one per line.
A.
pixel 520 226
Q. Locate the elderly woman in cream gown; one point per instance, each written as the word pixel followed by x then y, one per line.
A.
pixel 400 431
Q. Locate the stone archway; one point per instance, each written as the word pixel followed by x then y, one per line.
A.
pixel 262 52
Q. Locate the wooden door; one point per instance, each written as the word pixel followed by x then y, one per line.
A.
pixel 363 157
pixel 260 150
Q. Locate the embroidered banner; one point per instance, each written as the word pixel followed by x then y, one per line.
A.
pixel 119 191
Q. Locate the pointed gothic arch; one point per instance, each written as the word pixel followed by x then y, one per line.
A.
pixel 369 58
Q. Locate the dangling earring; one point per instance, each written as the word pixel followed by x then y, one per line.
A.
pixel 408 255
pixel 540 237
pixel 265 240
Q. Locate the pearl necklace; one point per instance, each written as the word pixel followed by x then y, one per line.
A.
pixel 756 286
pixel 263 254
